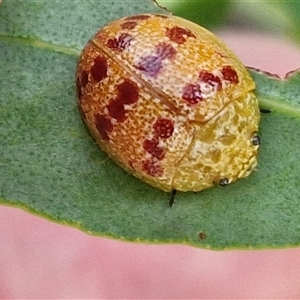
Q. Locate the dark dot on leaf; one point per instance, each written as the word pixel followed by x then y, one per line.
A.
pixel 202 236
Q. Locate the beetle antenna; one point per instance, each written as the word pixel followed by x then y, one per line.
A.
pixel 172 199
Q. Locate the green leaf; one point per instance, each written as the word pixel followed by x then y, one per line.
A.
pixel 50 165
pixel 207 13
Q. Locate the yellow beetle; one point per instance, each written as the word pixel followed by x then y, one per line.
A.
pixel 169 102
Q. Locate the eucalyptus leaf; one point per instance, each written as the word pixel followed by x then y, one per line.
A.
pixel 49 164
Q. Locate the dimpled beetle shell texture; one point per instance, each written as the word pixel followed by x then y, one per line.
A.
pixel 169 102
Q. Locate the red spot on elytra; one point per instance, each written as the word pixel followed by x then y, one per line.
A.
pixel 138 17
pixel 152 147
pixel 178 34
pixel 211 79
pixel 150 65
pixel 84 78
pixel 164 50
pixel 103 125
pixel 99 69
pixel 192 94
pixel 152 168
pixel 116 110
pixel 230 74
pixel 81 82
pixel 128 25
pixel 164 128
pixel 128 92
pixel 120 43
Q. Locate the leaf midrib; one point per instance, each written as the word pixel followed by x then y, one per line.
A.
pixel 40 44
pixel 277 105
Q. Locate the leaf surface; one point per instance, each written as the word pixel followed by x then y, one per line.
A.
pixel 50 165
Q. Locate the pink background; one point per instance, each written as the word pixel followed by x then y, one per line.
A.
pixel 40 259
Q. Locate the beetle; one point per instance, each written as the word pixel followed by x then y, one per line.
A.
pixel 169 102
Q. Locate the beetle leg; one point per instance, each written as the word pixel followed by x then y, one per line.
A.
pixel 172 198
pixel 265 110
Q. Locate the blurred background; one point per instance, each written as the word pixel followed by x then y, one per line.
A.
pixel 41 259
pixel 279 18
